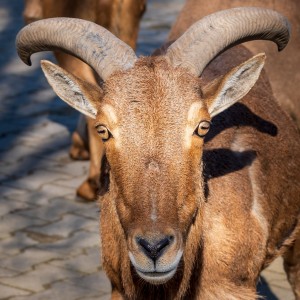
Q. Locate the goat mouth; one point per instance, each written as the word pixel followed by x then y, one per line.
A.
pixel 157 277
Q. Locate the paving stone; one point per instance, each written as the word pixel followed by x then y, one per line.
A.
pixel 38 279
pixel 4 235
pixel 60 155
pixel 62 291
pixel 7 291
pixel 36 180
pixel 7 273
pixel 105 297
pixel 9 206
pixel 271 275
pixel 12 127
pixel 6 191
pixel 46 144
pixel 73 183
pixel 53 190
pixel 2 177
pixel 272 292
pixel 24 166
pixel 24 261
pixel 101 297
pixel 97 281
pixel 41 108
pixel 76 203
pixel 276 265
pixel 35 198
pixel 47 129
pixel 53 210
pixel 64 227
pixel 14 222
pixel 17 152
pixel 74 168
pixel 86 209
pixel 85 263
pixel 73 245
pixel 16 243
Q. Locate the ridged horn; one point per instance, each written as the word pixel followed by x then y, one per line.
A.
pixel 217 32
pixel 88 41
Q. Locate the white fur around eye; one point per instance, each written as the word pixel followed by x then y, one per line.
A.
pixel 192 118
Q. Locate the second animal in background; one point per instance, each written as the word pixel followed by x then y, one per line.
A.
pixel 122 18
pixel 283 70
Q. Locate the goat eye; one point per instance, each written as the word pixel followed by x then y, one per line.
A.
pixel 103 132
pixel 202 128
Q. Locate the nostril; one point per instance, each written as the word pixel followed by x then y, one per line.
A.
pixel 162 244
pixel 171 238
pixel 145 244
pixel 155 250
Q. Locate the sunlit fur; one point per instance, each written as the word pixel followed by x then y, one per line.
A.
pixel 229 200
pixel 217 202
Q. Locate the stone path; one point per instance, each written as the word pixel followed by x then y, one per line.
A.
pixel 49 241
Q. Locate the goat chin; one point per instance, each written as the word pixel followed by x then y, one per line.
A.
pixel 157 278
pixel 157 274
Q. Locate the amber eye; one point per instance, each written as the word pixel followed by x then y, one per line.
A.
pixel 202 128
pixel 103 132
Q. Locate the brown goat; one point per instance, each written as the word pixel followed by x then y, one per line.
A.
pixel 209 194
pixel 122 18
pixel 283 70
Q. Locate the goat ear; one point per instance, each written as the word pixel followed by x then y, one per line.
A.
pixel 76 92
pixel 225 91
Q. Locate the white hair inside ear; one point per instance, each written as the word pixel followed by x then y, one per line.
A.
pixel 69 88
pixel 235 84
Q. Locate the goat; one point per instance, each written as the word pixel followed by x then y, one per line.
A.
pixel 203 175
pixel 122 19
pixel 283 71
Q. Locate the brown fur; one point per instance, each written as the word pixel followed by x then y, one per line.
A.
pixel 121 18
pixel 229 200
pixel 230 240
pixel 282 70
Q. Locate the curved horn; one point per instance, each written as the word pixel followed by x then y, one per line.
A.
pixel 88 41
pixel 219 31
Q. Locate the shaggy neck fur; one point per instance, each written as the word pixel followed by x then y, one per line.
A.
pixel 115 253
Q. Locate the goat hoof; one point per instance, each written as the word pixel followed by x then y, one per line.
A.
pixel 88 190
pixel 78 150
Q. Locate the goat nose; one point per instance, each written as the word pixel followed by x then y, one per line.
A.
pixel 155 249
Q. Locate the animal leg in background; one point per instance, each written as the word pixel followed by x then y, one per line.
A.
pixel 122 18
pixel 292 267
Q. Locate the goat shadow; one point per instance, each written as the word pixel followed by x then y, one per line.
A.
pixel 221 161
pixel 239 115
pixel 264 290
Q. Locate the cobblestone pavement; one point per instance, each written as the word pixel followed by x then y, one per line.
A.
pixel 49 241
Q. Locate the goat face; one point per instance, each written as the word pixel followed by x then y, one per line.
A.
pixel 154 151
pixel 152 119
